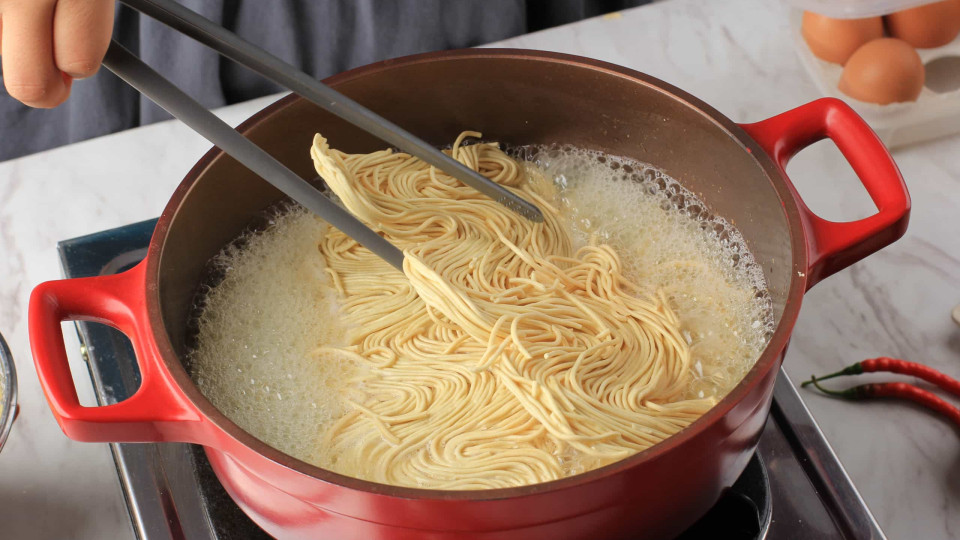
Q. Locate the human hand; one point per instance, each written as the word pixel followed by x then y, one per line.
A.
pixel 45 44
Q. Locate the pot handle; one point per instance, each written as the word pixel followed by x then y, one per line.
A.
pixel 156 412
pixel 833 246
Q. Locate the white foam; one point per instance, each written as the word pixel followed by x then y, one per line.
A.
pixel 258 332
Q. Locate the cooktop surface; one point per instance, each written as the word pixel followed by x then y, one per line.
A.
pixel 794 487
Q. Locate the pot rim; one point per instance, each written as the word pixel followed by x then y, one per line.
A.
pixel 768 359
pixel 8 392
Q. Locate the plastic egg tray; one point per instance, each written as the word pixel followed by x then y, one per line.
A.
pixel 933 115
pixel 854 9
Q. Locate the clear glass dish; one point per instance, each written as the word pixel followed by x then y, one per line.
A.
pixel 8 392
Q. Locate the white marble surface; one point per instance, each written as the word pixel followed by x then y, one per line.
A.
pixel 735 55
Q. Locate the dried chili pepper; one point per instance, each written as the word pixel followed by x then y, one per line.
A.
pixel 903 367
pixel 895 390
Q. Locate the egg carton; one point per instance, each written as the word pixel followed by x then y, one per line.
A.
pixel 933 115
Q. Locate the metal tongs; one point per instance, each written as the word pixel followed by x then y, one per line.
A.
pixel 165 94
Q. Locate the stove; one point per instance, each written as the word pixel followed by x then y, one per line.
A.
pixel 794 487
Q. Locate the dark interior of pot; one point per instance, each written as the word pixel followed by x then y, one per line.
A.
pixel 517 98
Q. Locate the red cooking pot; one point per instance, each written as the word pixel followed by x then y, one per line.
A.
pixel 517 97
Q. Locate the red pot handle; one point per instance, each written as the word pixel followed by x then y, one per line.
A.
pixel 158 411
pixel 833 246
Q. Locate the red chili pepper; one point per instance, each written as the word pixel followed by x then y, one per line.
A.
pixel 895 390
pixel 903 367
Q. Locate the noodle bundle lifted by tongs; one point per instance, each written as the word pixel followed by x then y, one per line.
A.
pixel 501 357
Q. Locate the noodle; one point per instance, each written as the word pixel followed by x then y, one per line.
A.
pixel 501 356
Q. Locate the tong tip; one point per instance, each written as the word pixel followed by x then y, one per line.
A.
pixel 523 208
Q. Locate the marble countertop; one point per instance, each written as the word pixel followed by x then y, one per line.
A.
pixel 738 56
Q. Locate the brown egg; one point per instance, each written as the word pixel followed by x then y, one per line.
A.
pixel 883 71
pixel 834 40
pixel 928 26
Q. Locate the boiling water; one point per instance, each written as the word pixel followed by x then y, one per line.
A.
pixel 259 329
